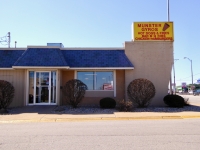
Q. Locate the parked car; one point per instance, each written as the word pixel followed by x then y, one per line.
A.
pixel 196 92
pixel 180 91
pixel 191 92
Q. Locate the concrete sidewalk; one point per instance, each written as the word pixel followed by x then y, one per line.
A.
pixel 43 114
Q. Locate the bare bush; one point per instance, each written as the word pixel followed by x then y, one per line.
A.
pixel 140 92
pixel 186 102
pixel 6 94
pixel 123 105
pixel 74 91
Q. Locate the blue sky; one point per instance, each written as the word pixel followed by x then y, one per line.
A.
pixel 103 23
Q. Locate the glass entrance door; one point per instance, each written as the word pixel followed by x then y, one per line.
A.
pixel 42 87
pixel 42 90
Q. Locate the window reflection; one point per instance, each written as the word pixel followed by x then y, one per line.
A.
pixel 31 87
pixel 97 80
pixel 87 78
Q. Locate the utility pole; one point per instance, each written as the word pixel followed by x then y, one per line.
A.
pixel 8 39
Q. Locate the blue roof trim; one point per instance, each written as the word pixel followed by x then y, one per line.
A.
pixel 9 57
pixel 96 58
pixel 42 57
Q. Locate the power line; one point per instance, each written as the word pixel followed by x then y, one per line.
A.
pixel 188 77
pixel 5 40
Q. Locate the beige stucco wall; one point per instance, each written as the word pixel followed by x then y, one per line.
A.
pixel 65 76
pixel 17 79
pixel 120 84
pixel 153 61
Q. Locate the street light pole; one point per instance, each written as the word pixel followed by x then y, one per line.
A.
pixel 168 10
pixel 191 67
pixel 174 76
pixel 170 81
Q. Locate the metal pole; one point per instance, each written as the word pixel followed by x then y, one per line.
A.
pixel 191 67
pixel 174 76
pixel 191 72
pixel 8 39
pixel 174 80
pixel 168 10
pixel 15 44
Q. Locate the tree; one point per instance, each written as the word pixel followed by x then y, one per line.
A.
pixel 6 95
pixel 140 92
pixel 74 91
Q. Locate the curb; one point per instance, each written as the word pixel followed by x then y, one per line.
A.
pixel 98 119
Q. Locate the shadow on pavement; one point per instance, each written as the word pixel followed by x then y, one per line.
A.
pixel 32 109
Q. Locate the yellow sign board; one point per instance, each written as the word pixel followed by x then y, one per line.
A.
pixel 153 31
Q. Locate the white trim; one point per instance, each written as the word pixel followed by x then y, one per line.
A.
pixel 58 76
pixel 49 88
pixel 93 48
pixel 65 48
pixel 103 68
pixel 34 90
pixel 114 83
pixel 27 88
pixel 38 67
pixel 42 46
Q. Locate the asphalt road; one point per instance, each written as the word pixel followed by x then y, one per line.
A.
pixel 183 134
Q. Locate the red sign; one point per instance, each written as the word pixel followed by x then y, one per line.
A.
pixel 107 86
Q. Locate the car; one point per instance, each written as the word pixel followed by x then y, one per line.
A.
pixel 180 91
pixel 196 92
pixel 191 92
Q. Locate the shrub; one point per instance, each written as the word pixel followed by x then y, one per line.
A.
pixel 74 91
pixel 174 101
pixel 107 103
pixel 6 95
pixel 140 92
pixel 125 105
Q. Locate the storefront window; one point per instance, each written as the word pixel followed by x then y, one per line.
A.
pixel 31 87
pixel 97 80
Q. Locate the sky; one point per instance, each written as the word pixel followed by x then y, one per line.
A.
pixel 103 23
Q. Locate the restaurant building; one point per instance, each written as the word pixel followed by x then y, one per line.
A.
pixel 38 73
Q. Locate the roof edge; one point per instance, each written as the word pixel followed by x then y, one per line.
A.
pixel 32 46
pixel 93 48
pixel 101 68
pixel 38 67
pixel 13 48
